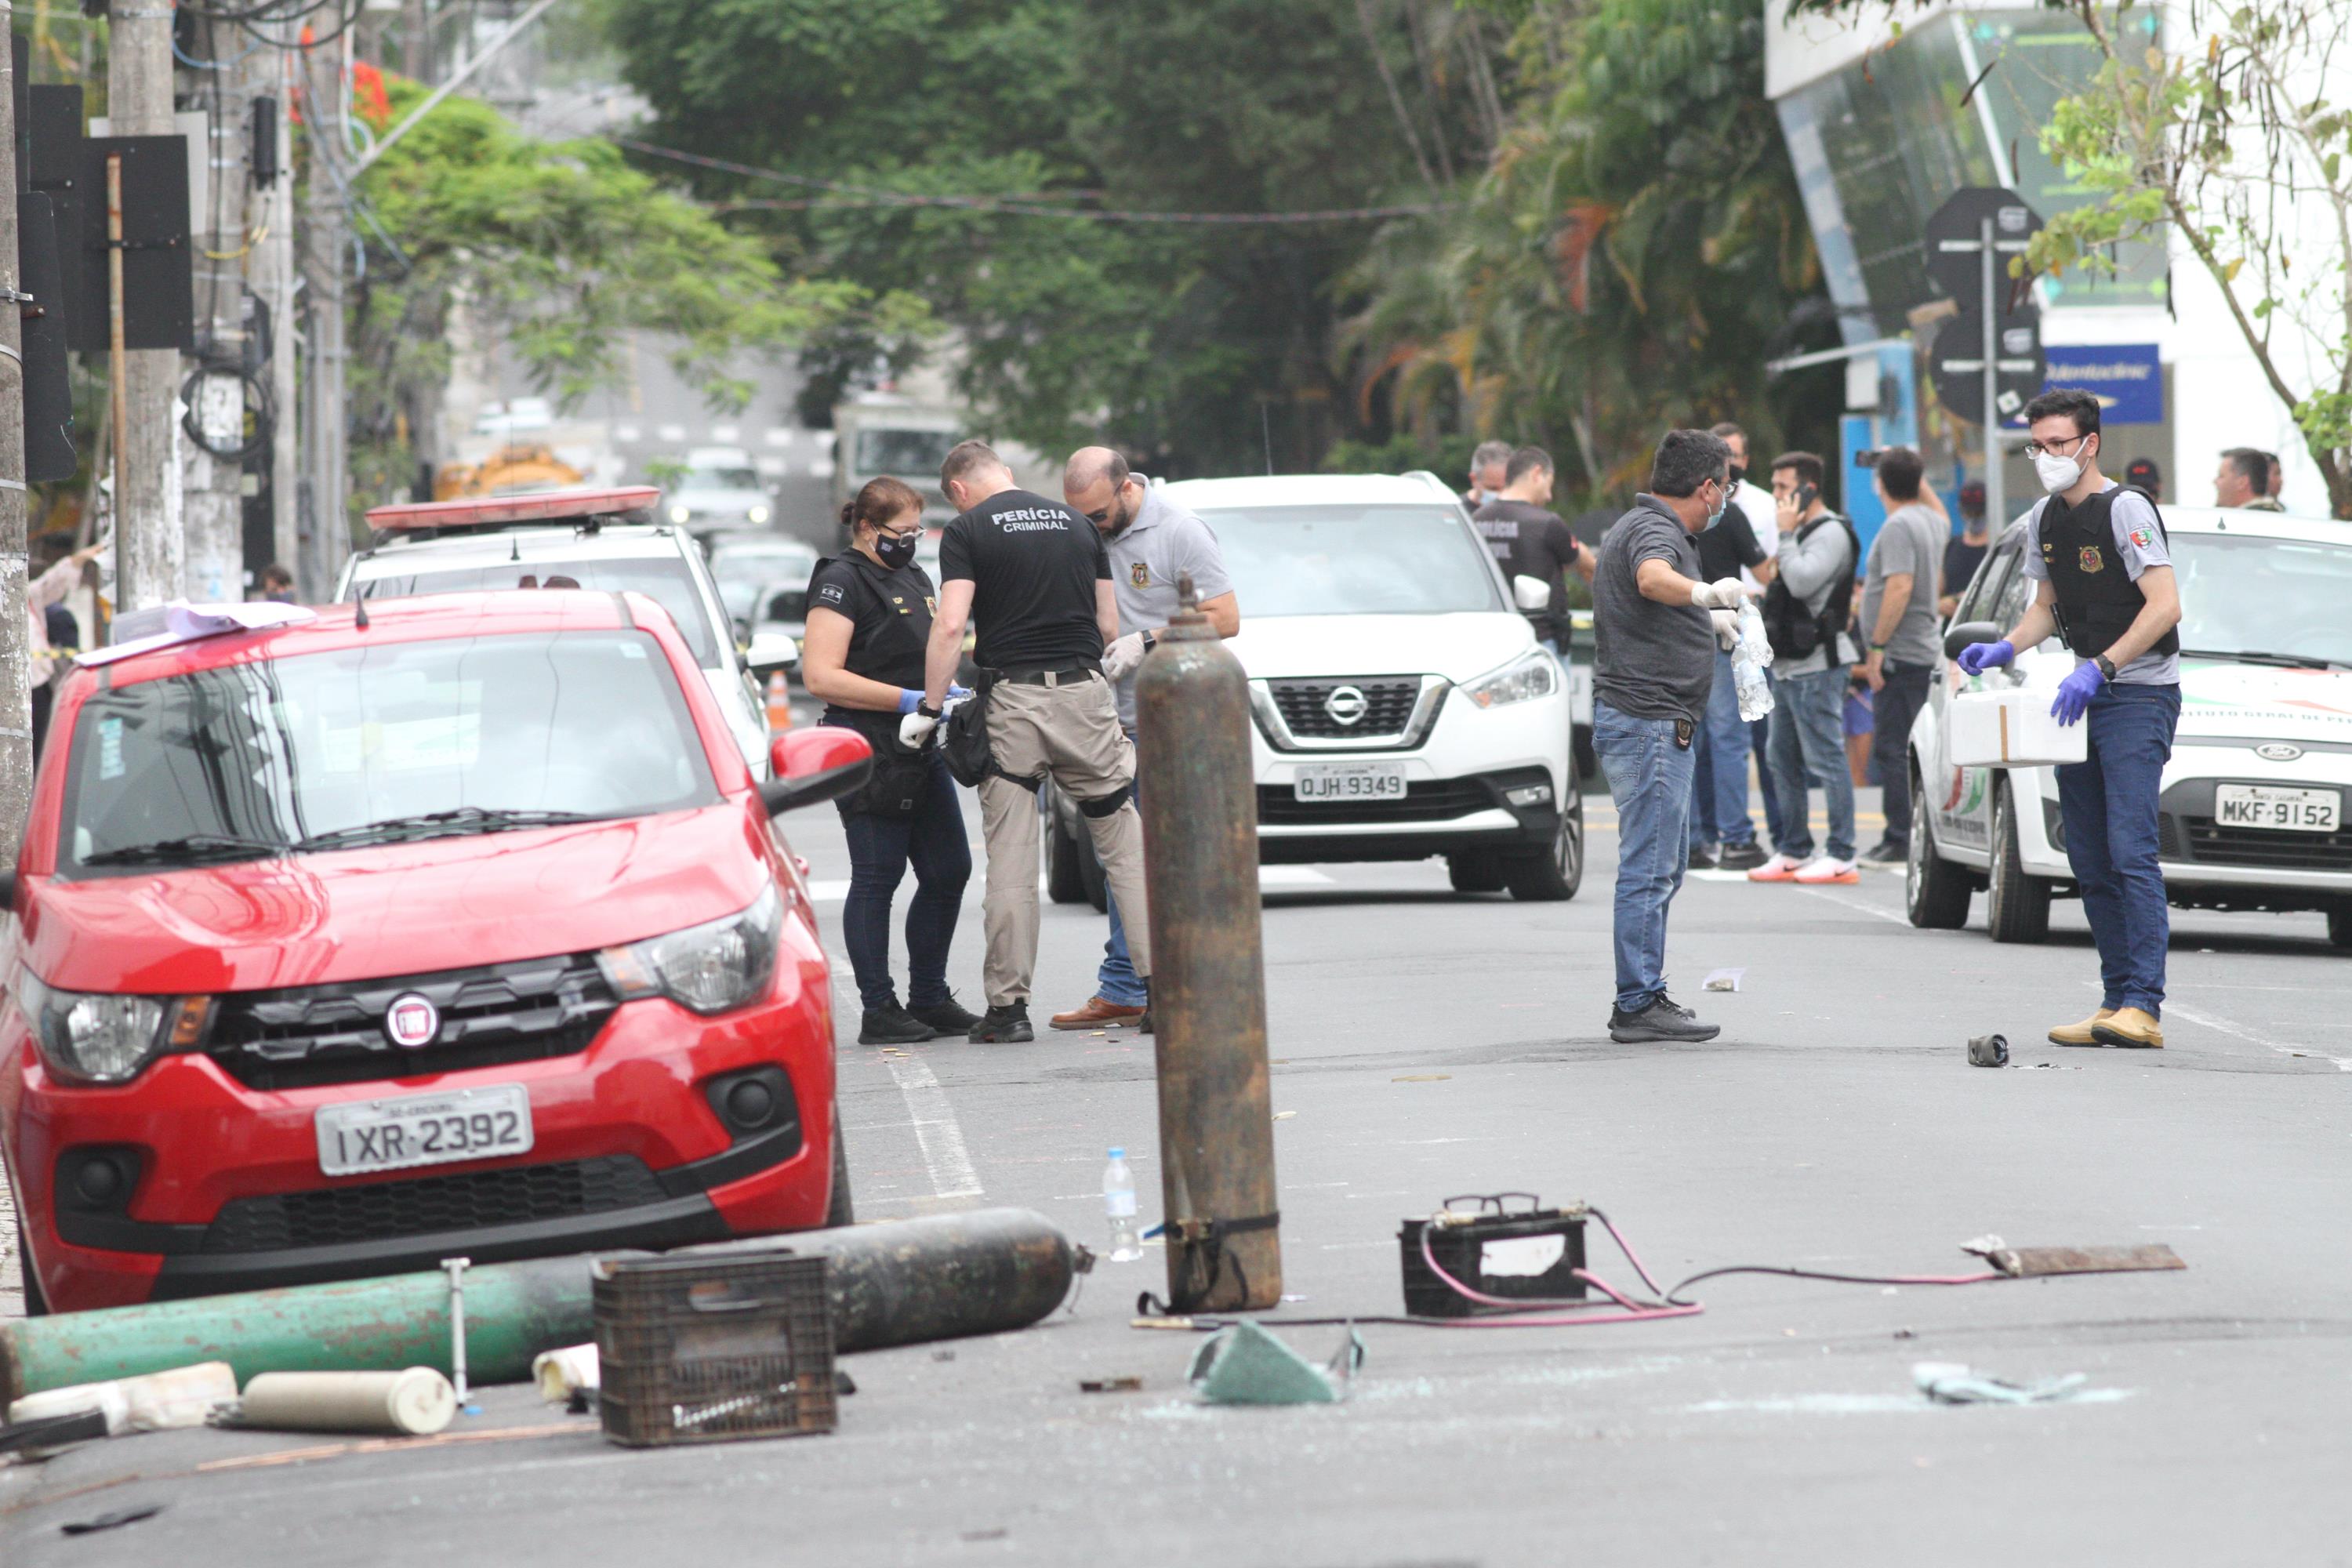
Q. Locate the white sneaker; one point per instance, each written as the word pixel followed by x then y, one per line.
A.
pixel 1825 869
pixel 1780 868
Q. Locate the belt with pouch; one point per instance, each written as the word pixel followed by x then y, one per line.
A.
pixel 1048 677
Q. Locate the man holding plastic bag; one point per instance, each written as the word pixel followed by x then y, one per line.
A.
pixel 2098 551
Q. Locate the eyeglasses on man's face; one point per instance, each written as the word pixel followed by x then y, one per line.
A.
pixel 2059 447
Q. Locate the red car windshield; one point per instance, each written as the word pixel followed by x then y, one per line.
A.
pixel 375 745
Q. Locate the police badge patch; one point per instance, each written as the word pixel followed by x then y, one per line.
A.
pixel 2090 560
pixel 1139 575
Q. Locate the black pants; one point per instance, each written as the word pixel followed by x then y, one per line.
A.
pixel 879 850
pixel 1894 706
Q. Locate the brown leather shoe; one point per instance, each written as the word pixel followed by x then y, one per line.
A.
pixel 2130 1026
pixel 1098 1014
pixel 2082 1034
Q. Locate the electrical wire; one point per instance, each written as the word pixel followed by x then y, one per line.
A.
pixel 259 399
pixel 1557 1312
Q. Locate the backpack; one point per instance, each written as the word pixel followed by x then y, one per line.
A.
pixel 1793 633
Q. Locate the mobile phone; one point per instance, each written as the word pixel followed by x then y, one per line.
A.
pixel 1806 496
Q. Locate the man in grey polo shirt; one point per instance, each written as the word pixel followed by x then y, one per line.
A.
pixel 1152 543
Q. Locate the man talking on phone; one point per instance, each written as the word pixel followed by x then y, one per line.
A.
pixel 1805 617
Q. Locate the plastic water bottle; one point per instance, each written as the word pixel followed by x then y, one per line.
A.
pixel 1118 1203
pixel 1748 662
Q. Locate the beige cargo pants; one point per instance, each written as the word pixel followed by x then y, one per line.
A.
pixel 1069 730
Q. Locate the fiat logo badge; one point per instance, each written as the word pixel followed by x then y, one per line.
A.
pixel 2278 751
pixel 1346 706
pixel 412 1021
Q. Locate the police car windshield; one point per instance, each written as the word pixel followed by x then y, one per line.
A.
pixel 2270 598
pixel 664 579
pixel 388 742
pixel 1354 560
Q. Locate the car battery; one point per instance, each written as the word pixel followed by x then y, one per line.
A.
pixel 1507 1246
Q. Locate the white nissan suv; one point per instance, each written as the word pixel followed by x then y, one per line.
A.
pixel 1402 706
pixel 2257 800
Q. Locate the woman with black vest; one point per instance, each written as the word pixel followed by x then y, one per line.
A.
pixel 869 616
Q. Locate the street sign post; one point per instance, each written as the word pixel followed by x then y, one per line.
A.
pixel 1994 362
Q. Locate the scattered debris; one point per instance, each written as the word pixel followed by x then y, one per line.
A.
pixel 1286 1115
pixel 45 1434
pixel 1422 1077
pixel 562 1374
pixel 1988 1051
pixel 1951 1383
pixel 2032 1262
pixel 943 1355
pixel 153 1402
pixel 1723 980
pixel 843 1382
pixel 415 1403
pixel 1244 1364
pixel 998 1533
pixel 113 1520
pixel 1111 1385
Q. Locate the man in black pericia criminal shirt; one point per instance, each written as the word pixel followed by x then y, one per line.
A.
pixel 1036 577
pixel 1531 542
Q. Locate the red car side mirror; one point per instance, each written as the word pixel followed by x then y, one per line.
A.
pixel 822 762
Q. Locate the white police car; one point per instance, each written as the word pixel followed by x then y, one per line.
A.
pixel 2257 799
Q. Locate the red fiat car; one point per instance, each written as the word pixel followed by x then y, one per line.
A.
pixel 457 927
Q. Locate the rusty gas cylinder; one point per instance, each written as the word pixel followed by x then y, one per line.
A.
pixel 1199 800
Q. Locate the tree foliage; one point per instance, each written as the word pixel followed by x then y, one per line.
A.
pixel 1633 255
pixel 1187 344
pixel 561 249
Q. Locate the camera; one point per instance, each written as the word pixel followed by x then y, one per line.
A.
pixel 1869 459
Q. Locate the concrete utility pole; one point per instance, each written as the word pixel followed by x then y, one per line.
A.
pixel 214 485
pixel 273 71
pixel 326 251
pixel 16 697
pixel 148 551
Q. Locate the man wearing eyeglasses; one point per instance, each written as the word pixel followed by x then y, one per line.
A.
pixel 2098 551
pixel 1152 543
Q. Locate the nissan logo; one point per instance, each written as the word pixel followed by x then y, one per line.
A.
pixel 2278 751
pixel 412 1021
pixel 1345 705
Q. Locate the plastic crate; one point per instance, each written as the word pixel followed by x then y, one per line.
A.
pixel 706 1349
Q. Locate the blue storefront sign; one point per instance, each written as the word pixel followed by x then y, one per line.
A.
pixel 2127 378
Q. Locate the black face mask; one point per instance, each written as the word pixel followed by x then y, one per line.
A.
pixel 1738 473
pixel 894 550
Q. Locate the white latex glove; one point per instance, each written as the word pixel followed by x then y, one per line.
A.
pixel 1722 594
pixel 1120 659
pixel 1727 628
pixel 916 728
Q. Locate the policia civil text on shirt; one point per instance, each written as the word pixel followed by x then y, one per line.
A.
pixel 1153 544
pixel 2098 551
pixel 869 624
pixel 1035 576
pixel 1656 627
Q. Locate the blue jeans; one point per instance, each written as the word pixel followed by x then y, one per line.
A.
pixel 1719 777
pixel 2109 803
pixel 1117 981
pixel 1650 782
pixel 1759 744
pixel 1808 741
pixel 879 849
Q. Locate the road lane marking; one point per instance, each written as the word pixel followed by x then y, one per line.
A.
pixel 935 1129
pixel 1866 908
pixel 2343 1064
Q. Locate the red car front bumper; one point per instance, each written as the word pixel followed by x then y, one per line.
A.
pixel 631 1148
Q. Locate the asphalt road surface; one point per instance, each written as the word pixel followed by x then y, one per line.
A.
pixel 1426 1044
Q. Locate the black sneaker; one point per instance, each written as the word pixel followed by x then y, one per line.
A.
pixel 948 1017
pixel 1003 1025
pixel 1887 852
pixel 1741 857
pixel 893 1026
pixel 1700 860
pixel 1661 1021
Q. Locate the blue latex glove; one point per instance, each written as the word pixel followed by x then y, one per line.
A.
pixel 1979 657
pixel 2075 692
pixel 957 693
pixel 909 700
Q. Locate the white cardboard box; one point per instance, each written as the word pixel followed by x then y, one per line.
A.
pixel 2011 728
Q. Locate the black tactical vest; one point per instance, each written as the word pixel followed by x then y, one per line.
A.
pixel 2097 600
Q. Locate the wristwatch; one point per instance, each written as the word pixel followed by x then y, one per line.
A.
pixel 2107 665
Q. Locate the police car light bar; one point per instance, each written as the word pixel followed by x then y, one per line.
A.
pixel 545 505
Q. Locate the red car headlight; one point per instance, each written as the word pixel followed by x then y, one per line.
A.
pixel 708 968
pixel 95 1037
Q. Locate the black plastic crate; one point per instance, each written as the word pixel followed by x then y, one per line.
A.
pixel 1460 1244
pixel 704 1350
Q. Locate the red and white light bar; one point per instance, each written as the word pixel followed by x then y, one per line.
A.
pixel 546 506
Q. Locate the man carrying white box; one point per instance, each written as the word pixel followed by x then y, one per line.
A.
pixel 2107 590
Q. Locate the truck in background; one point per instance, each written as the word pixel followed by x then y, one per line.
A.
pixel 905 434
